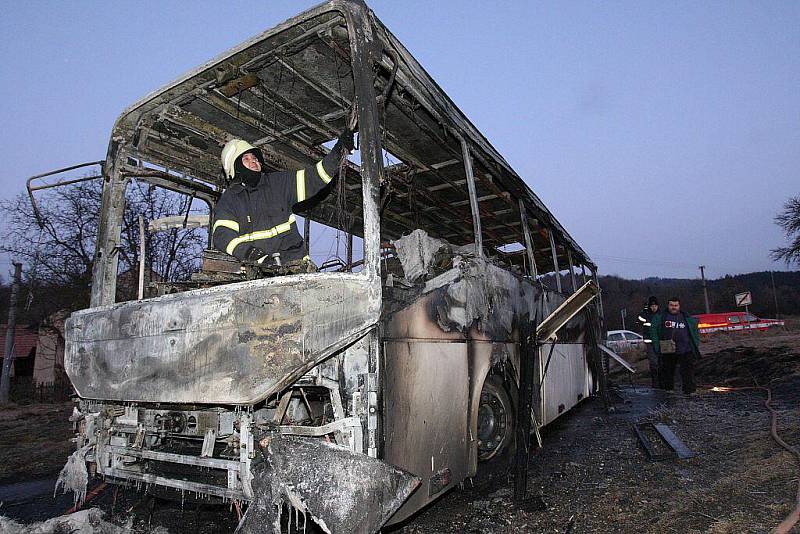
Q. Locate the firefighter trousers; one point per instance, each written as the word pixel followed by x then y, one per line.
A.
pixel 655 366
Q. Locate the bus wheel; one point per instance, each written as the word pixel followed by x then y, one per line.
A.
pixel 495 419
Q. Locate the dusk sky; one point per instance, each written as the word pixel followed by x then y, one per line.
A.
pixel 663 135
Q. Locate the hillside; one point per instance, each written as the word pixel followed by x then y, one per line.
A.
pixel 619 293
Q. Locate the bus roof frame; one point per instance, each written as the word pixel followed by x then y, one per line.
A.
pixel 172 138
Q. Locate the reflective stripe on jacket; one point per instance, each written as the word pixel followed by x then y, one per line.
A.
pixel 262 216
pixel 645 319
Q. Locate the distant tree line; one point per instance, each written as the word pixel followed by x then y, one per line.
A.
pixel 619 293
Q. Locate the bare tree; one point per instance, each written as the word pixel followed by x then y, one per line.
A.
pixel 173 254
pixel 789 220
pixel 58 256
pixel 59 253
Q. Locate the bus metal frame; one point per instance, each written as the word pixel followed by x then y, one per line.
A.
pixel 402 364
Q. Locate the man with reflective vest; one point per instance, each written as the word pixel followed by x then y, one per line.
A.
pixel 253 219
pixel 645 320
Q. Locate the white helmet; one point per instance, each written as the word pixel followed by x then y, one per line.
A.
pixel 232 150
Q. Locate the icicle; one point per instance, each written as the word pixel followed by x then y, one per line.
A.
pixel 74 476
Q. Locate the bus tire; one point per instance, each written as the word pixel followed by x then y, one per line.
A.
pixel 496 420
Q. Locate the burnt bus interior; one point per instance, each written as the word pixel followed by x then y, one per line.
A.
pixel 290 92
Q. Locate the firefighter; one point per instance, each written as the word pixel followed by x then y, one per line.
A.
pixel 645 321
pixel 253 219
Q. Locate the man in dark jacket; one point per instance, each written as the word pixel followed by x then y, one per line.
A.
pixel 646 321
pixel 676 339
pixel 253 219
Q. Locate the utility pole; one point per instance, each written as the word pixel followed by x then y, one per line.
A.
pixel 623 313
pixel 142 253
pixel 8 354
pixel 774 295
pixel 705 289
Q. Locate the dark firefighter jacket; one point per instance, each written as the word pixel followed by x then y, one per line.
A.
pixel 645 319
pixel 262 217
pixel 657 327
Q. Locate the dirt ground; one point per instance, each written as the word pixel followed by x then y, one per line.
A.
pixel 731 358
pixel 591 475
pixel 35 440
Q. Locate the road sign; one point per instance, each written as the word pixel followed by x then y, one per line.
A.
pixel 744 299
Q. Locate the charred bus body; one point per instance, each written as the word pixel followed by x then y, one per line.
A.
pixel 383 379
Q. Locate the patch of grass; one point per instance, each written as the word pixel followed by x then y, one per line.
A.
pixel 35 440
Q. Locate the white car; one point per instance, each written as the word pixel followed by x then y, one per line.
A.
pixel 623 340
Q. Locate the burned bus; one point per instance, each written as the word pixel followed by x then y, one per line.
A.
pixel 363 391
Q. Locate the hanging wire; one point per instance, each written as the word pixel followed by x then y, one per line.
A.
pixel 274 100
pixel 263 96
pixel 342 220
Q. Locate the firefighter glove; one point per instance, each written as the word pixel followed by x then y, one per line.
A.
pixel 254 254
pixel 347 140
